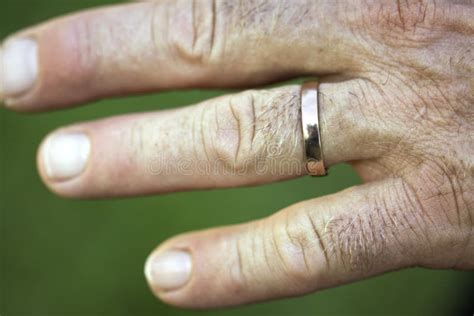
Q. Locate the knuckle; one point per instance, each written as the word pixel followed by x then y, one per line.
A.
pixel 263 251
pixel 413 215
pixel 239 267
pixel 193 32
pixel 302 246
pixel 269 249
pixel 444 190
pixel 447 180
pixel 232 130
pixel 411 23
pixel 293 249
pixel 310 247
pixel 239 275
pixel 387 229
pixel 250 129
pixel 354 242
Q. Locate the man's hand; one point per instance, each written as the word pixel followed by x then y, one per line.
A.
pixel 396 102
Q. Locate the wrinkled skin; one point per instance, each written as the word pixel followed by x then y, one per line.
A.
pixel 397 98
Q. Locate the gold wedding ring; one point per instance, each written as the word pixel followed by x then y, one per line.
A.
pixel 311 129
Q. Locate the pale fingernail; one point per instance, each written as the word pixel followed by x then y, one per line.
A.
pixel 169 270
pixel 1 76
pixel 19 67
pixel 65 155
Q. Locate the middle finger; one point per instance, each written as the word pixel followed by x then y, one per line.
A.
pixel 158 45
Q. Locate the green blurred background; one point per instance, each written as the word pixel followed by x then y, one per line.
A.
pixel 62 257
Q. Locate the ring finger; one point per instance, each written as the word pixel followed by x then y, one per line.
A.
pixel 248 138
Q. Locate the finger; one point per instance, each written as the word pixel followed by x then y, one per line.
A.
pixel 316 244
pixel 249 138
pixel 149 46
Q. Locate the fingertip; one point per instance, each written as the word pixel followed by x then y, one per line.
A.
pixel 169 270
pixel 1 76
pixel 170 273
pixel 198 276
pixel 19 68
pixel 62 157
pixel 65 155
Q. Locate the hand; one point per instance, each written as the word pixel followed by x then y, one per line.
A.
pixel 397 98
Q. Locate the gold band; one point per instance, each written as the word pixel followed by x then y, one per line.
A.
pixel 311 129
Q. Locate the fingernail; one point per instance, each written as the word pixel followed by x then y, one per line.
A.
pixel 169 270
pixel 19 66
pixel 1 76
pixel 65 155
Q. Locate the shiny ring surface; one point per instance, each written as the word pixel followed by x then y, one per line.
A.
pixel 311 129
